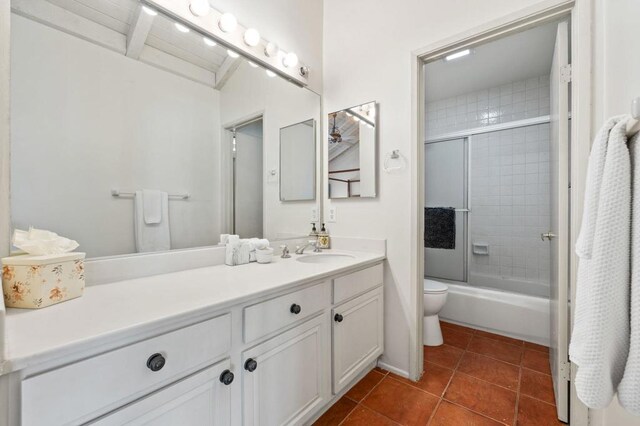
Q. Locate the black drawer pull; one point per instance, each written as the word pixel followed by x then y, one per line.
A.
pixel 295 309
pixel 338 318
pixel 156 362
pixel 250 365
pixel 226 377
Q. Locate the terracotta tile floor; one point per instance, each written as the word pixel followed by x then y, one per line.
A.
pixel 475 378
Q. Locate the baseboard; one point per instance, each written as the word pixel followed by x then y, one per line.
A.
pixel 394 370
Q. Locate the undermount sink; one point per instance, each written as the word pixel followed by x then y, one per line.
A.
pixel 325 258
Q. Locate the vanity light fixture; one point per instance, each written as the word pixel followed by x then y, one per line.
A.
pixel 252 65
pixel 252 37
pixel 232 54
pixel 270 73
pixel 149 11
pixel 227 22
pixel 181 27
pixel 209 42
pixel 457 55
pixel 290 60
pixel 200 7
pixel 271 49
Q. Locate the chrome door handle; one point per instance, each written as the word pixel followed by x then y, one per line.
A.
pixel 548 235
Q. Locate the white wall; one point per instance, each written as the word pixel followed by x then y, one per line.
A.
pixel 616 82
pixel 373 62
pixel 85 120
pixel 250 91
pixel 295 24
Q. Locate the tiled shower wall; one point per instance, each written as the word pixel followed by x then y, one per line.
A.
pixel 510 207
pixel 509 182
pixel 513 101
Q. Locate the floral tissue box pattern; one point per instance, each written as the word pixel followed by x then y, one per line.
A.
pixel 40 285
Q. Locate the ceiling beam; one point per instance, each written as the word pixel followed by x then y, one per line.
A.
pixel 138 32
pixel 225 71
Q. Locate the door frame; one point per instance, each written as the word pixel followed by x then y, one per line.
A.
pixel 581 43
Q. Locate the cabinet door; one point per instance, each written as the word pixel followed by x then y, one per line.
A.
pixel 286 379
pixel 357 336
pixel 200 399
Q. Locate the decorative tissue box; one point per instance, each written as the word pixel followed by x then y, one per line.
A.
pixel 34 282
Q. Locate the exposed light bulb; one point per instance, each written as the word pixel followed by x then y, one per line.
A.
pixel 290 60
pixel 209 42
pixel 181 28
pixel 252 37
pixel 355 118
pixel 271 49
pixel 149 11
pixel 200 7
pixel 227 22
pixel 457 55
pixel 270 73
pixel 232 54
pixel 253 65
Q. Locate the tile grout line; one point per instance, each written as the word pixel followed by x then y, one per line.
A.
pixel 515 414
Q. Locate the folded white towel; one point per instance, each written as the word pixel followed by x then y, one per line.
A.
pixel 629 389
pixel 600 338
pixel 152 205
pixel 151 237
pixel 237 252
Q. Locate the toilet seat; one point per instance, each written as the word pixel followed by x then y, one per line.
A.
pixel 431 287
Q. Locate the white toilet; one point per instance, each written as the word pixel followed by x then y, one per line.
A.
pixel 435 296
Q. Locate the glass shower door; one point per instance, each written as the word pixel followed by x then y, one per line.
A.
pixel 446 186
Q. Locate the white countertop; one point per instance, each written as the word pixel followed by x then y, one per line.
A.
pixel 120 310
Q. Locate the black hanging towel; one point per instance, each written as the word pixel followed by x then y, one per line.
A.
pixel 440 227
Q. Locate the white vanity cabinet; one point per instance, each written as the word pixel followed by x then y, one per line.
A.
pixel 357 329
pixel 201 399
pixel 286 379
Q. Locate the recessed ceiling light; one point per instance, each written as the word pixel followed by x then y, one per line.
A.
pixel 232 54
pixel 181 27
pixel 270 73
pixel 457 55
pixel 253 65
pixel 208 41
pixel 149 11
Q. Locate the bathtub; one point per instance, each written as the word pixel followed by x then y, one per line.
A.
pixel 510 314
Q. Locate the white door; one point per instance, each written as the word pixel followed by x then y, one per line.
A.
pixel 248 182
pixel 559 232
pixel 286 379
pixel 199 400
pixel 357 336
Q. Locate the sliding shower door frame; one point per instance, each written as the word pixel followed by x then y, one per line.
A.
pixel 465 209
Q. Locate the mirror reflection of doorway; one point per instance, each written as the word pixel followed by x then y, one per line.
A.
pixel 247 179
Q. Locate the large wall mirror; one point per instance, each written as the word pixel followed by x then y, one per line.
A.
pixel 181 141
pixel 352 154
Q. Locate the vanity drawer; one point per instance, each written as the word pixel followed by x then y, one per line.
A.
pixel 356 283
pixel 272 315
pixel 86 389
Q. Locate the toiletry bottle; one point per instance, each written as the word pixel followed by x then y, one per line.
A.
pixel 314 231
pixel 324 241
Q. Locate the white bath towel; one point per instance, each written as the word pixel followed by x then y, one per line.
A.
pixel 629 389
pixel 152 205
pixel 151 236
pixel 600 338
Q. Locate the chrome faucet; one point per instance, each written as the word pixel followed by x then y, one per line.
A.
pixel 314 243
pixel 285 252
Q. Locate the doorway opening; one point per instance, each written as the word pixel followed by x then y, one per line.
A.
pixel 495 189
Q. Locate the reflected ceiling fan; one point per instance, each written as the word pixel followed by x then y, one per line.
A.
pixel 335 136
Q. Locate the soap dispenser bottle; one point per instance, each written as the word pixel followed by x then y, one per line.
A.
pixel 314 231
pixel 324 241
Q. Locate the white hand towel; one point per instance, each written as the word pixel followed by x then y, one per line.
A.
pixel 600 338
pixel 629 389
pixel 152 205
pixel 151 237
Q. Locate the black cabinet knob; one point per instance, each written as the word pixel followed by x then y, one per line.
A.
pixel 295 309
pixel 338 318
pixel 156 362
pixel 226 377
pixel 250 365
